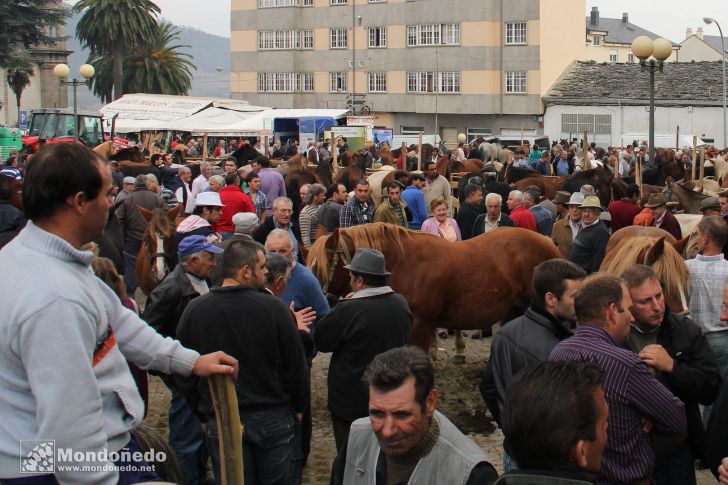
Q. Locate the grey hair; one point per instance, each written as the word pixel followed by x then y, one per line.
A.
pixel 532 195
pixel 152 178
pixel 313 191
pixel 182 170
pixel 493 195
pixel 205 165
pixel 282 200
pixel 279 234
pixel 219 179
pixel 517 194
pixel 277 265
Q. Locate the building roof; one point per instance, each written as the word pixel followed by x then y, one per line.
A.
pixel 714 42
pixel 620 31
pixel 680 84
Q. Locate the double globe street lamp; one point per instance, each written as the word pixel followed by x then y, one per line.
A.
pixel 660 49
pixel 86 71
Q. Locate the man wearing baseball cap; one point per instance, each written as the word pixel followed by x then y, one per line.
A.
pixel 206 212
pixel 163 311
pixel 369 321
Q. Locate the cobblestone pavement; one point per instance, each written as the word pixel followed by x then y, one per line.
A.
pixel 459 400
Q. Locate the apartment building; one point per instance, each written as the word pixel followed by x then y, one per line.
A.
pixel 700 47
pixel 610 40
pixel 462 66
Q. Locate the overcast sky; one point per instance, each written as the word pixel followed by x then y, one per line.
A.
pixel 668 18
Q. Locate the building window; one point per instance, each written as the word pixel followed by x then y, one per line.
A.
pixel 377 37
pixel 377 1
pixel 433 82
pixel 516 82
pixel 285 39
pixel 516 33
pixel 579 123
pixel 630 57
pixel 596 40
pixel 285 82
pixel 377 82
pixel 411 130
pixel 613 55
pixel 338 2
pixel 337 82
pixel 338 39
pixel 433 34
pixel 284 3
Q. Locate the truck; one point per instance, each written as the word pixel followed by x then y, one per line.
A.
pixel 56 125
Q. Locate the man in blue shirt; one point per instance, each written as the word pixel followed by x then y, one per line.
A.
pixel 415 200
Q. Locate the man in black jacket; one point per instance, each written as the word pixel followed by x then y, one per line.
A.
pixel 493 217
pixel 590 244
pixel 677 351
pixel 259 329
pixel 163 312
pixel 470 210
pixel 529 339
pixel 371 320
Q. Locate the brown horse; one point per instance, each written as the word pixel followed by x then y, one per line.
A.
pixel 156 255
pixel 430 273
pixel 656 248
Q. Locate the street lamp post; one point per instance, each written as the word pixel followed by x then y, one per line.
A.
pixel 61 71
pixel 709 21
pixel 660 49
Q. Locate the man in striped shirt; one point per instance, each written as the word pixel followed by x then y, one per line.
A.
pixel 638 403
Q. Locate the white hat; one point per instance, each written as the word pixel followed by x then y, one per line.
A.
pixel 207 199
pixel 577 198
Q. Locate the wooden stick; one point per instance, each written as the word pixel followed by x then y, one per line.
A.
pixel 419 154
pixel 492 155
pixel 204 148
pixel 702 169
pixel 521 134
pixel 229 429
pixel 677 138
pixel 695 157
pixel 638 173
pixel 585 152
pixel 335 153
pixel 616 168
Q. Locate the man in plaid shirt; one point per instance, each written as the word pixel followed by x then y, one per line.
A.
pixel 708 274
pixel 358 210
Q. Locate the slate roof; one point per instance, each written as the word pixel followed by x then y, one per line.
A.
pixel 620 32
pixel 680 84
pixel 714 42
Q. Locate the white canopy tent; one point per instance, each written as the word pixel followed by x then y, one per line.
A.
pixel 213 120
pixel 262 122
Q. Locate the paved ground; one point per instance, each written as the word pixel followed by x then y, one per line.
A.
pixel 459 400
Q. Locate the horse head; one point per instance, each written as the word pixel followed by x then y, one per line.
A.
pixel 670 268
pixel 158 239
pixel 326 258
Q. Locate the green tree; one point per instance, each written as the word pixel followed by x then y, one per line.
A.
pixel 28 23
pixel 19 71
pixel 115 28
pixel 158 67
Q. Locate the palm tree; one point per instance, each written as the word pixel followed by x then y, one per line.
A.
pixel 19 72
pixel 160 67
pixel 115 28
pixel 157 68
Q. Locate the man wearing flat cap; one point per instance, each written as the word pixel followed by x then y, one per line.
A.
pixel 370 320
pixel 590 244
pixel 709 206
pixel 657 203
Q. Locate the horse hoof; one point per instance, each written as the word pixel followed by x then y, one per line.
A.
pixel 458 359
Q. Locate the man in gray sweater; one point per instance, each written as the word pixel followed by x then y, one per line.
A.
pixel 66 390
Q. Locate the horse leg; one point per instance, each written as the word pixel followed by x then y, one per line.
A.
pixel 459 357
pixel 421 334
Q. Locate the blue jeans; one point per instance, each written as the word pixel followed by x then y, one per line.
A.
pixel 509 464
pixel 271 447
pixel 678 469
pixel 186 438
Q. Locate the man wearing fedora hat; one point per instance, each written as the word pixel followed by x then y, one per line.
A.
pixel 590 243
pixel 369 321
pixel 561 202
pixel 657 203
pixel 566 229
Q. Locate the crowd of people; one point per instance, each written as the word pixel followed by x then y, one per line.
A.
pixel 597 382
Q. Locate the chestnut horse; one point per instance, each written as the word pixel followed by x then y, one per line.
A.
pixel 656 248
pixel 460 285
pixel 153 263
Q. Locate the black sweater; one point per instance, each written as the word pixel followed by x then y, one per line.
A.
pixel 259 331
pixel 356 331
pixel 590 246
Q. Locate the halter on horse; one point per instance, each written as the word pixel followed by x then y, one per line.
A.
pixel 152 263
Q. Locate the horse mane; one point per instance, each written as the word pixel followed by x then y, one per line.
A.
pixel 378 235
pixel 670 268
pixel 160 223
